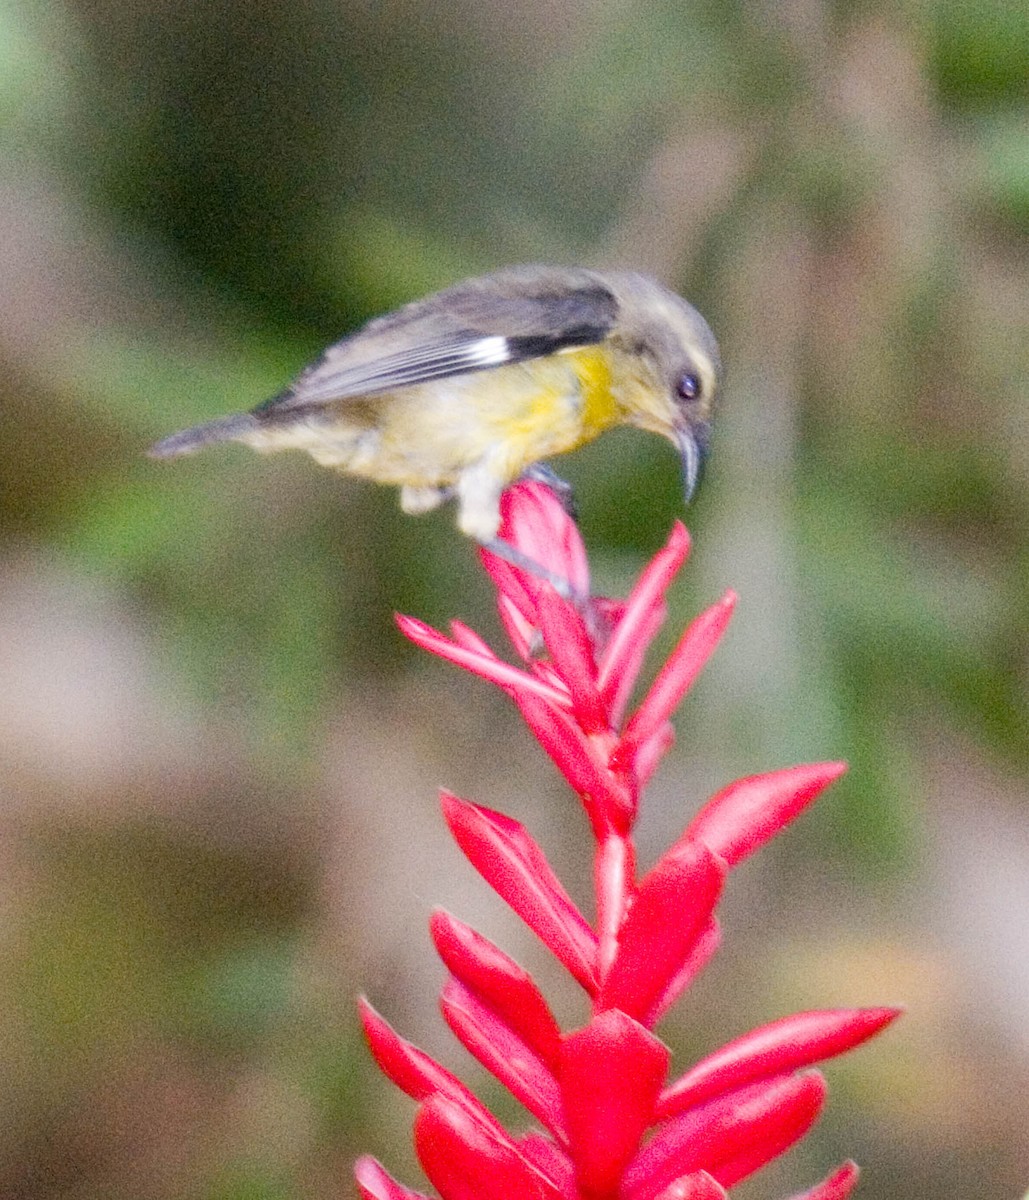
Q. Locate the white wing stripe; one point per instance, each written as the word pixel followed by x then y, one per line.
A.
pixel 489 351
pixel 403 370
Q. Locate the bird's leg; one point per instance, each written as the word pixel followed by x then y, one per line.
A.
pixel 514 556
pixel 478 491
pixel 562 489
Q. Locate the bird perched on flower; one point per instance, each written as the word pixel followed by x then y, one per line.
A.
pixel 462 393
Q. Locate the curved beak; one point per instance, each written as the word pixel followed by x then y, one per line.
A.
pixel 692 448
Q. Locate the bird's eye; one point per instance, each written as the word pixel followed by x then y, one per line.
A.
pixel 688 387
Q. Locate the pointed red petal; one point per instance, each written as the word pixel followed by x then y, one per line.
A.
pixel 464 1161
pixel 468 639
pixel 617 696
pixel 760 1120
pixel 516 597
pixel 485 665
pixel 499 982
pixel 571 649
pixel 520 632
pixel 552 1161
pixel 672 907
pixel 560 736
pixel 838 1186
pixel 516 868
pixel 791 1124
pixel 575 756
pixel 677 675
pixel 705 949
pixel 543 669
pixel 694 1187
pixel 503 1054
pixel 534 521
pixel 614 882
pixel 611 1074
pixel 748 813
pixel 375 1183
pixel 602 614
pixel 786 1045
pixel 412 1070
pixel 650 753
pixel 644 612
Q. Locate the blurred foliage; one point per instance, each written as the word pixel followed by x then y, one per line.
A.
pixel 197 198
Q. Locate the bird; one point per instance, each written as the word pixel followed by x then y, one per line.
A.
pixel 460 394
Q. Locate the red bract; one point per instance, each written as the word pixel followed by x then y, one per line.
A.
pixel 613 1128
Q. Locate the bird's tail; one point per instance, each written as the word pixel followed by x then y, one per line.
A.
pixel 186 441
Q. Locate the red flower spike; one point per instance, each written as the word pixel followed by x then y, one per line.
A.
pixel 413 1071
pixel 464 1161
pixel 611 1074
pixel 678 674
pixel 786 1045
pixel 748 813
pixel 504 1054
pixel 598 1092
pixel 838 1186
pixel 673 906
pixel 694 1187
pixel 571 649
pixel 516 868
pixel 703 952
pixel 636 628
pixel 499 982
pixel 761 1120
pixel 375 1183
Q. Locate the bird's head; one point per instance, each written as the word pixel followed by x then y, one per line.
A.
pixel 676 368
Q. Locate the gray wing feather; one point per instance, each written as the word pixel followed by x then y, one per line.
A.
pixel 511 316
pixel 326 381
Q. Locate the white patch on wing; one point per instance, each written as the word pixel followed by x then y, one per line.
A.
pixel 326 381
pixel 489 351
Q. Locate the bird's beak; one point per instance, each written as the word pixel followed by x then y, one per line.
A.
pixel 691 455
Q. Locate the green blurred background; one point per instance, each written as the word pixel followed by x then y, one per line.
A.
pixel 219 759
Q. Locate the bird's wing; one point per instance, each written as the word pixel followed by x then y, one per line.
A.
pixel 508 317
